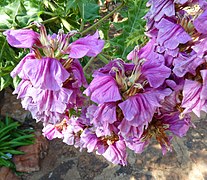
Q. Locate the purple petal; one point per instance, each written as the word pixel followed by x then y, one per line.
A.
pixel 201 47
pixel 191 97
pixel 46 73
pixel 18 70
pixel 105 113
pixel 116 153
pixel 139 109
pixel 184 64
pixel 22 38
pixel 200 23
pixel 170 34
pixel 103 89
pixel 51 132
pixel 155 72
pixel 78 51
pixel 159 8
pixel 90 46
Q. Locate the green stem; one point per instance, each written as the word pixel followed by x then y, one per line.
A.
pixel 103 59
pixel 47 13
pixel 32 25
pixel 88 63
pixel 43 22
pixel 103 19
pixel 82 25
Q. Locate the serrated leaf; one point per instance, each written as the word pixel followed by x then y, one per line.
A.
pixel 131 29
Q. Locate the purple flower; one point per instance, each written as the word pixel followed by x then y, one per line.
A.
pixel 200 23
pixel 116 152
pixel 71 134
pixel 87 46
pixel 155 72
pixel 158 10
pixel 168 122
pixel 43 104
pixel 102 89
pixel 46 73
pixel 170 34
pixel 140 108
pixel 105 113
pixel 186 63
pixel 89 140
pixel 191 97
pixel 51 131
pixel 22 38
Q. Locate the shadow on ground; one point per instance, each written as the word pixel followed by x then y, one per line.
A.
pixel 188 161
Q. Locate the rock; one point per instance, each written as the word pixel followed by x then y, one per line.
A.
pixel 7 174
pixel 12 107
pixel 1 99
pixel 30 161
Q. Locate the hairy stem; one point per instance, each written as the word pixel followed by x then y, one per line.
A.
pixel 103 59
pixel 88 63
pixel 33 25
pixel 103 19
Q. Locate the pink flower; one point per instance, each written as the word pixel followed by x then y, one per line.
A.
pixel 103 88
pixel 51 132
pixel 116 152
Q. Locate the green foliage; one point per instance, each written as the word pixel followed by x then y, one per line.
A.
pixel 19 13
pixel 8 60
pixel 130 30
pixel 71 15
pixel 11 137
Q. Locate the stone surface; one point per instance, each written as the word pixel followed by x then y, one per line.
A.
pixel 1 99
pixel 188 161
pixel 7 174
pixel 30 161
pixel 12 106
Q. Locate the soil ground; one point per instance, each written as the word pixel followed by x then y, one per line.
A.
pixel 188 161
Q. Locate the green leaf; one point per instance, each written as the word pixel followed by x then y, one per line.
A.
pixel 16 81
pixel 130 31
pixel 6 163
pixel 11 151
pixel 8 128
pixel 5 81
pixel 70 4
pixel 89 9
pixel 19 13
pixel 66 24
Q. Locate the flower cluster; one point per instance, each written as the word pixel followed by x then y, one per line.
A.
pixel 151 96
pixel 51 73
